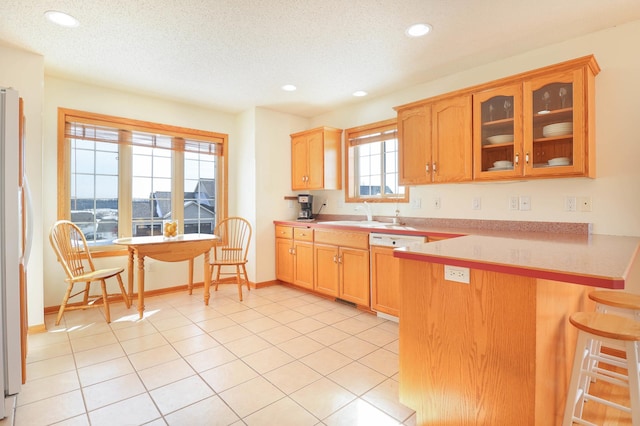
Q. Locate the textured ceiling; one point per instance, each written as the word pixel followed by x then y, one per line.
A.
pixel 232 55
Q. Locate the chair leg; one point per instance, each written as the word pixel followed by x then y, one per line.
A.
pixel 239 281
pixel 105 301
pixel 63 305
pixel 87 289
pixel 246 277
pixel 127 302
pixel 218 276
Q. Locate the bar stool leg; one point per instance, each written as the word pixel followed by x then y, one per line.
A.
pixel 633 358
pixel 578 383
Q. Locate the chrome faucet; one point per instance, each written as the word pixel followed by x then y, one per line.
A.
pixel 367 209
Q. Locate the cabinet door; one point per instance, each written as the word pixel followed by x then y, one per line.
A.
pixel 315 160
pixel 354 275
pixel 414 145
pixel 497 133
pixel 303 264
pixel 299 163
pixel 284 260
pixel 385 281
pixel 451 154
pixel 326 269
pixel 555 130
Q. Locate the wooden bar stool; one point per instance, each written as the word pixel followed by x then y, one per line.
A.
pixel 606 329
pixel 617 302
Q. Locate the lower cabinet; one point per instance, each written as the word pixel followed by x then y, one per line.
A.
pixel 294 255
pixel 342 265
pixel 385 281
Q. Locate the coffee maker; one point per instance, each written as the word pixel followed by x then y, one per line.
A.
pixel 306 207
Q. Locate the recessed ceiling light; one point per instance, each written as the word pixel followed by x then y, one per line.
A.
pixel 360 93
pixel 418 30
pixel 289 88
pixel 61 18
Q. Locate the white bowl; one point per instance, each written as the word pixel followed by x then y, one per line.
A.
pixel 560 161
pixel 557 129
pixel 500 139
pixel 503 163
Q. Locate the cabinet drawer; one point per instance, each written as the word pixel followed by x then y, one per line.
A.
pixel 303 234
pixel 343 238
pixel 284 231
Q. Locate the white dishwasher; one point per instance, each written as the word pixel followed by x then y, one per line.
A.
pixel 385 280
pixel 394 240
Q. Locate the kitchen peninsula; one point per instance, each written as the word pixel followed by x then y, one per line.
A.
pixel 497 348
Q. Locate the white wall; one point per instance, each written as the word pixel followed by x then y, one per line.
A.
pixel 75 95
pixel 614 193
pixel 273 182
pixel 24 72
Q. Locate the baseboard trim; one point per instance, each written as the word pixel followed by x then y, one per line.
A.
pixel 166 290
pixel 35 329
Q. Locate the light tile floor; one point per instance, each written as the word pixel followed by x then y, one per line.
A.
pixel 280 357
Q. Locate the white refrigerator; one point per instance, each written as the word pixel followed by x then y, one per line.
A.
pixel 11 250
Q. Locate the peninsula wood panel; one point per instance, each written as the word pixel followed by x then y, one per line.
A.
pixel 495 351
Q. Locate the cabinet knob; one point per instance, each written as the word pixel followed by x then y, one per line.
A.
pixel 434 167
pixel 426 168
pixel 526 158
pixel 516 160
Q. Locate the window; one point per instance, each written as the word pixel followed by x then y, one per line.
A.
pixel 372 164
pixel 120 177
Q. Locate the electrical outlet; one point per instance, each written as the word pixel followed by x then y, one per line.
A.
pixel 585 204
pixel 570 204
pixel 525 202
pixel 456 273
pixel 436 203
pixel 416 203
pixel 476 203
pixel 514 202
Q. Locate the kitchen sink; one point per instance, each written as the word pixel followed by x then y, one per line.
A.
pixel 363 223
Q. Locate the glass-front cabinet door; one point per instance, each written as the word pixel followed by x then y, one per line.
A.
pixel 497 133
pixel 554 125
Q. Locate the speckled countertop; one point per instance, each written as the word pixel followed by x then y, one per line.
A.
pixel 598 260
pixel 550 250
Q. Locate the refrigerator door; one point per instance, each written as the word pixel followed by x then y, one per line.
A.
pixel 10 350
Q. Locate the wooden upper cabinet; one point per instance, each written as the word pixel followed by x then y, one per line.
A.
pixel 435 141
pixel 541 125
pixel 559 124
pixel 316 159
pixel 414 134
pixel 451 139
pixel 498 150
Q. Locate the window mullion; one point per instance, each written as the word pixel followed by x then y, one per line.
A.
pixel 177 188
pixel 125 196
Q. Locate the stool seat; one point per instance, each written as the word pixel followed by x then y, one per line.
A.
pixel 618 299
pixel 607 325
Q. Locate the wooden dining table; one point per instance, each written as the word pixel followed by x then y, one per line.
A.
pixel 185 247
